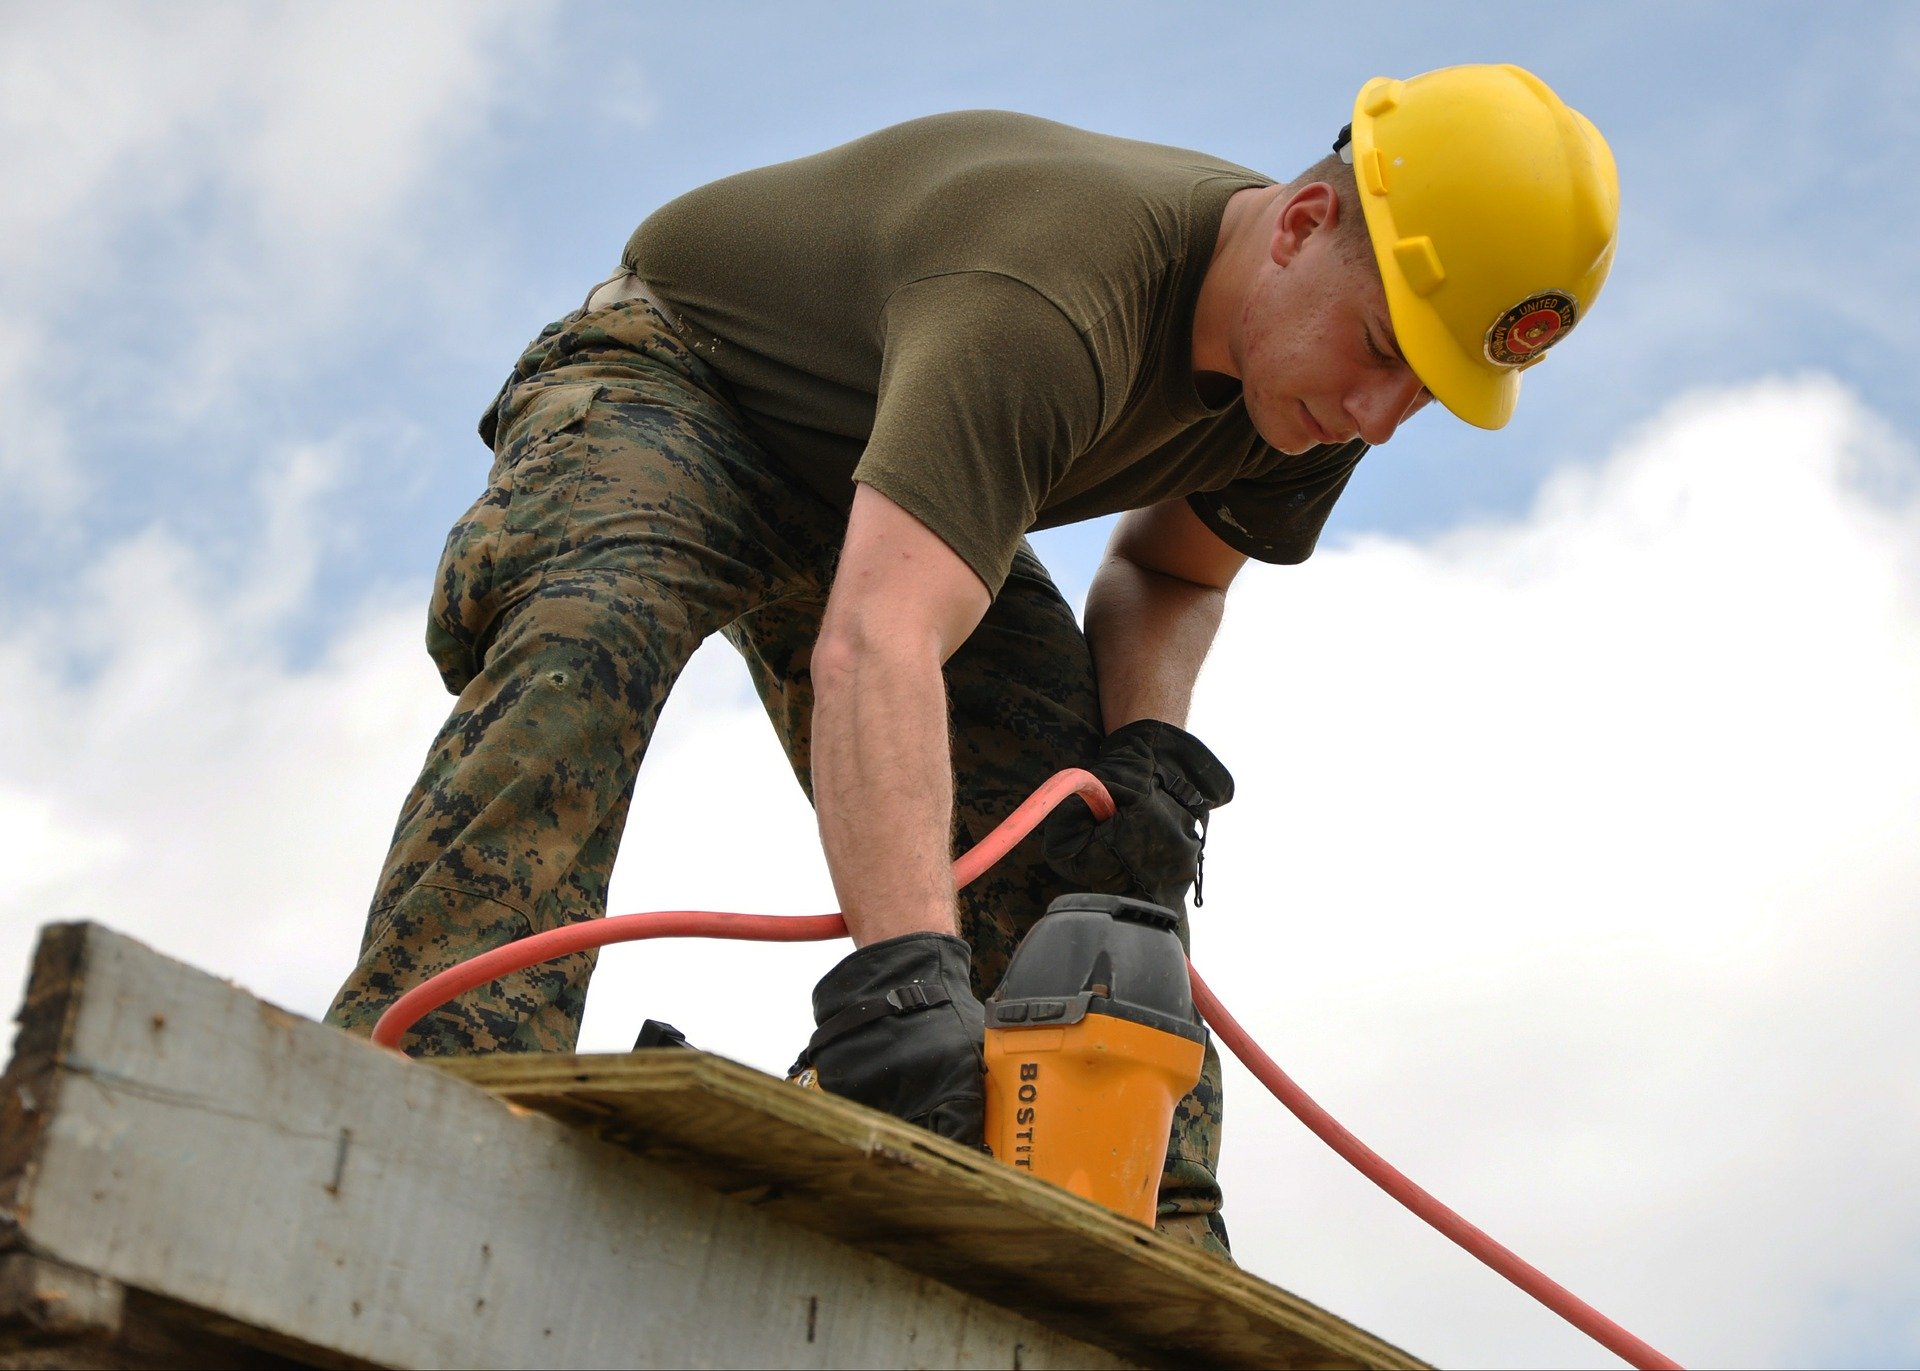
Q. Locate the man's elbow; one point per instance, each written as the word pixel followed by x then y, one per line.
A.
pixel 1169 541
pixel 855 647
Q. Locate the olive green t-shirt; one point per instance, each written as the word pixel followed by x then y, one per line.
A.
pixel 988 318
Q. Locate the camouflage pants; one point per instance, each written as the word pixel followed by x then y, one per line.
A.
pixel 629 514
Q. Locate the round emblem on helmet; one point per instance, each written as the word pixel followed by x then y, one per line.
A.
pixel 1527 330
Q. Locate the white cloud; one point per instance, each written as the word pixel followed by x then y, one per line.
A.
pixel 307 128
pixel 1592 899
pixel 45 848
pixel 184 783
pixel 36 458
pixel 1573 867
pixel 227 183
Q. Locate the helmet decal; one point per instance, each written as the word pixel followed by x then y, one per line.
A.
pixel 1521 335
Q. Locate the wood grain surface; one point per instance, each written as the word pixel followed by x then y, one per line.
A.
pixel 934 1207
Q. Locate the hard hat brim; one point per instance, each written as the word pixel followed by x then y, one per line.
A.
pixel 1466 386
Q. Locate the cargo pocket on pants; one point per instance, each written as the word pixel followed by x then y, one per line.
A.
pixel 495 554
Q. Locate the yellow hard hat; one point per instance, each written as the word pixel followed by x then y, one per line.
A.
pixel 1492 208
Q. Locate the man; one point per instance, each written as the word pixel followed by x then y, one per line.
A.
pixel 817 411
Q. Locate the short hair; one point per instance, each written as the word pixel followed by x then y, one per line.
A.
pixel 1350 232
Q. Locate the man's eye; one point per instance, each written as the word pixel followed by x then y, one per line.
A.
pixel 1379 353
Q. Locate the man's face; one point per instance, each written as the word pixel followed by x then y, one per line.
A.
pixel 1317 356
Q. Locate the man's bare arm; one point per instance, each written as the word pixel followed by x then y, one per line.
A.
pixel 902 603
pixel 1153 610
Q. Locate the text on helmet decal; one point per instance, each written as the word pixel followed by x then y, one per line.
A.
pixel 1526 331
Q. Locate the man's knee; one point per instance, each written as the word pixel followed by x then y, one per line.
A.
pixel 607 640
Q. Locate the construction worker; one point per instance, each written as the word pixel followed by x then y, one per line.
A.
pixel 818 409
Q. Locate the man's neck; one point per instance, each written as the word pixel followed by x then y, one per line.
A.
pixel 1238 251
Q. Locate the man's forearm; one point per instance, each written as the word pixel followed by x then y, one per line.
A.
pixel 883 789
pixel 1149 633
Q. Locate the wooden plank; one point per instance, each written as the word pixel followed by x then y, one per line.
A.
pixel 280 1184
pixel 45 1302
pixel 29 1092
pixel 53 1316
pixel 930 1205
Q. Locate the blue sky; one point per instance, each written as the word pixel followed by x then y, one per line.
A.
pixel 1763 224
pixel 262 266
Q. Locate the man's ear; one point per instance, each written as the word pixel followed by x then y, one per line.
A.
pixel 1306 211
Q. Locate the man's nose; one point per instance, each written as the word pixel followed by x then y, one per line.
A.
pixel 1377 410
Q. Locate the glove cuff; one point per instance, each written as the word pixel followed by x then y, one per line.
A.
pixel 1183 754
pixel 900 1031
pixel 937 958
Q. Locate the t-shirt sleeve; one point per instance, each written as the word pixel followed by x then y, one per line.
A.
pixel 1277 516
pixel 987 394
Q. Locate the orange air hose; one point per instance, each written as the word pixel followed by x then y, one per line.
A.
pixel 456 980
pixel 1384 1174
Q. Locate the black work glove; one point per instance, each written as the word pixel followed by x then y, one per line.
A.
pixel 900 1030
pixel 1164 784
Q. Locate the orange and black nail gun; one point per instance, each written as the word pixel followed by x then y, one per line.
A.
pixel 1091 1043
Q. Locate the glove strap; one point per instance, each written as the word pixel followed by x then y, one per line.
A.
pixel 907 999
pixel 1184 792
